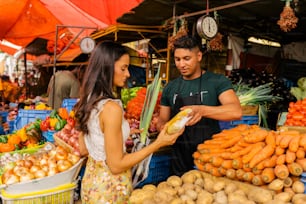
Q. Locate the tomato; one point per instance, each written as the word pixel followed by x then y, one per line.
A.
pixel 297 116
pixel 71 121
pixel 44 125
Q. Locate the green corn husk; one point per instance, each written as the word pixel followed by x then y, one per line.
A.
pixel 149 105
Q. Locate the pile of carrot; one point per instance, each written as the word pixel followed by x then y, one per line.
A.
pixel 251 154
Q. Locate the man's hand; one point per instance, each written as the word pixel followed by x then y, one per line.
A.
pixel 196 114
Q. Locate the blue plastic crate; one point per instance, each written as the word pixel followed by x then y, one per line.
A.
pixel 25 117
pixel 159 170
pixel 48 135
pixel 69 103
pixel 249 120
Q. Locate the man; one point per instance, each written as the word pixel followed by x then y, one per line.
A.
pixel 209 95
pixel 67 85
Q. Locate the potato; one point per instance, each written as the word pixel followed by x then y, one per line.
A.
pixel 162 185
pixel 220 197
pixel 188 177
pixel 188 186
pixel 149 187
pixel 185 198
pixel 177 201
pixel 149 201
pixel 192 194
pixel 218 186
pixel 208 185
pixel 139 195
pixel 283 196
pixel 199 182
pixel 276 185
pixel 180 190
pixel 260 195
pixel 230 188
pixel 197 173
pixel 169 190
pixel 161 197
pixel 275 201
pixel 298 187
pixel 174 181
pixel 205 198
pixel 297 198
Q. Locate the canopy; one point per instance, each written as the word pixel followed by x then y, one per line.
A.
pixel 24 20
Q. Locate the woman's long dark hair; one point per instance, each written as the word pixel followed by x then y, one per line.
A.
pixel 98 80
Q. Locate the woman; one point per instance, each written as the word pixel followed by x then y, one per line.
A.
pixel 100 118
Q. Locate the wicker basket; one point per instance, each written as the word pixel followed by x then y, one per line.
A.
pixel 249 109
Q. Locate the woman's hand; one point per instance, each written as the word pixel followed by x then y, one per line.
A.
pixel 165 139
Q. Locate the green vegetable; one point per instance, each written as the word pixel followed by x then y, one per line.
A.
pixel 302 83
pixel 60 124
pixel 53 114
pixel 254 96
pixel 3 138
pixel 149 105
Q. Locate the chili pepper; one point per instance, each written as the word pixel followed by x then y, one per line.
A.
pixel 53 114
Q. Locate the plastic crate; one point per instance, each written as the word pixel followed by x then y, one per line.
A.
pixel 249 120
pixel 61 194
pixel 24 117
pixel 159 170
pixel 48 135
pixel 69 103
pixel 303 180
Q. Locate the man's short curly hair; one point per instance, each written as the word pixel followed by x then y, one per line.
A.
pixel 186 42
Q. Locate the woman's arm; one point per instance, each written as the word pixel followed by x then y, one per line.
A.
pixel 116 159
pixel 82 146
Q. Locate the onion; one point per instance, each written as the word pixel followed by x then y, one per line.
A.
pixel 34 168
pixel 72 141
pixel 73 158
pixel 63 165
pixel 28 163
pixel 43 162
pixel 52 171
pixel 45 167
pixel 40 174
pixel 18 170
pixel 20 162
pixel 26 176
pixel 61 153
pixel 52 153
pixel 9 177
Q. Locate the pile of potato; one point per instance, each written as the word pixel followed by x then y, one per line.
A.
pixel 196 187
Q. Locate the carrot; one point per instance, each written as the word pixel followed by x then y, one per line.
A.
pixel 294 143
pixel 258 135
pixel 246 158
pixel 290 156
pixel 239 174
pixel 295 169
pixel 256 171
pixel 281 159
pixel 208 167
pixel 246 168
pixel 288 182
pixel 226 155
pixel 300 153
pixel 214 171
pixel 264 153
pixel 281 171
pixel 196 155
pixel 231 142
pixel 199 165
pixel 216 161
pixel 244 151
pixel 205 157
pixel 222 171
pixel 278 138
pixel 227 164
pixel 203 146
pixel 279 150
pixel 248 176
pixel 302 162
pixel 302 142
pixel 211 150
pixel 270 139
pixel 231 173
pixel 257 180
pixel 268 175
pixel 284 143
pixel 260 165
pixel 237 163
pixel 270 162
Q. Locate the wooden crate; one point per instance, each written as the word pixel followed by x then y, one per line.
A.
pixel 249 109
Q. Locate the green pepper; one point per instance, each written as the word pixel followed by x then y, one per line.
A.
pixel 30 127
pixel 53 114
pixel 3 138
pixel 60 124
